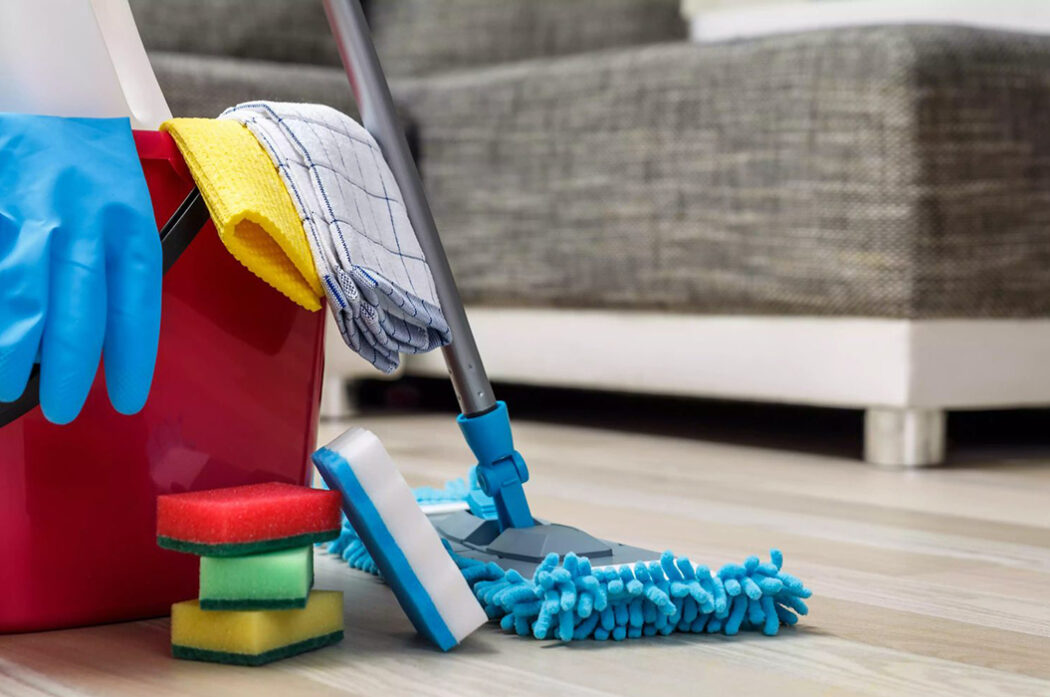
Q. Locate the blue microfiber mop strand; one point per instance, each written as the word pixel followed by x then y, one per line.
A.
pixel 569 600
pixel 455 491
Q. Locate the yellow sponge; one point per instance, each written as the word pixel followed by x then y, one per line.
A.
pixel 251 208
pixel 254 637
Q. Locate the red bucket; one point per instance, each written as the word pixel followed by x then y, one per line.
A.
pixel 235 400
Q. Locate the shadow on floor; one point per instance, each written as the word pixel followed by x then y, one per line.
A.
pixel 974 438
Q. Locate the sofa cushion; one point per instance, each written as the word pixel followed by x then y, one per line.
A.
pixel 888 172
pixel 418 37
pixel 205 85
pixel 277 30
pixel 413 37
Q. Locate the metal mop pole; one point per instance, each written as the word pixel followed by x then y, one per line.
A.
pixel 484 421
pixel 347 20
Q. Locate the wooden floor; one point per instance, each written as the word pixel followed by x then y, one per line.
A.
pixel 925 583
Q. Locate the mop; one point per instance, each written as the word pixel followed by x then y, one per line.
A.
pixel 537 578
pixel 569 599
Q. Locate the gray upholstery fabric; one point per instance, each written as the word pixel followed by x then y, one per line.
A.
pixel 889 172
pixel 295 31
pixel 417 37
pixel 413 37
pixel 205 85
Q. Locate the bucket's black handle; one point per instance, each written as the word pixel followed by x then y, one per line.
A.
pixel 182 227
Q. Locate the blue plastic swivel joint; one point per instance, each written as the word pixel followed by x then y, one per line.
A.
pixel 501 469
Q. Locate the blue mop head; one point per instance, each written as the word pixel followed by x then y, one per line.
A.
pixel 569 599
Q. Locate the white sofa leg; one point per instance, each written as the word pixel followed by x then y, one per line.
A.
pixel 904 437
pixel 335 398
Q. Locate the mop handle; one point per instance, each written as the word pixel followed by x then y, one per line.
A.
pixel 370 88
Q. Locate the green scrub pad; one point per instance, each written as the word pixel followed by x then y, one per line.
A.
pixel 272 581
pixel 188 653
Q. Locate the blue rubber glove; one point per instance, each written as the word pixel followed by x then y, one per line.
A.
pixel 80 262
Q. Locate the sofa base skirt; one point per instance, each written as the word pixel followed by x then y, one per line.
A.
pixel 846 362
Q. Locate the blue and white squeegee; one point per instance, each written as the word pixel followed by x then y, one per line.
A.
pixel 403 544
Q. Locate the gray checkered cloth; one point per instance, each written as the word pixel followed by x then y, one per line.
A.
pixel 375 275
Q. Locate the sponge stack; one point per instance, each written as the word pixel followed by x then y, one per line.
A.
pixel 256 600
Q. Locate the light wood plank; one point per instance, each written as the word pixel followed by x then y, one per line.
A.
pixel 927 584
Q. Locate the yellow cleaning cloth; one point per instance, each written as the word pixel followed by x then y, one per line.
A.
pixel 249 204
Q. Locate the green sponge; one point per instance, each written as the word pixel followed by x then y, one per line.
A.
pixel 272 581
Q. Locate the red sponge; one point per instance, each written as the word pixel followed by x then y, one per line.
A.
pixel 247 519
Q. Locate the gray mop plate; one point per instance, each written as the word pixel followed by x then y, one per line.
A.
pixel 522 549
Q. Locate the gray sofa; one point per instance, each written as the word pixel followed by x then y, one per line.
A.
pixel 580 155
